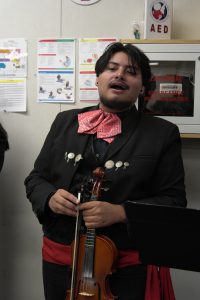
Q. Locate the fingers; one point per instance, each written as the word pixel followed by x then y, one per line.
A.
pixel 101 214
pixel 63 202
pixel 94 213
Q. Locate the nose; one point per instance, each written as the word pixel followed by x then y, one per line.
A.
pixel 120 73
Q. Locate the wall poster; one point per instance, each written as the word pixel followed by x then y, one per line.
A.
pixel 56 70
pixel 13 73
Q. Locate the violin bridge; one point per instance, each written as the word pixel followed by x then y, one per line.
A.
pixel 86 294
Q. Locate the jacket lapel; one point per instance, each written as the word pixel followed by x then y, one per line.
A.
pixel 75 146
pixel 129 125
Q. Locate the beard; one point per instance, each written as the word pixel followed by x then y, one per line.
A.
pixel 119 105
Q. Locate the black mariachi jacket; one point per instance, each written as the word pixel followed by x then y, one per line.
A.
pixel 154 174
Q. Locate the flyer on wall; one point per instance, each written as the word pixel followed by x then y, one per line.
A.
pixel 56 70
pixel 13 94
pixel 90 49
pixel 13 73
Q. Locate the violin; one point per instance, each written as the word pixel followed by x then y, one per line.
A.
pixel 94 257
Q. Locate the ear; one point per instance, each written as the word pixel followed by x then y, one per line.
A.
pixel 96 83
pixel 142 90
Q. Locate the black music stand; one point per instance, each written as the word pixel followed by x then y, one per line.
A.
pixel 165 235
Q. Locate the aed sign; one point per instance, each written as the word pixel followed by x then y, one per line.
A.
pixel 158 19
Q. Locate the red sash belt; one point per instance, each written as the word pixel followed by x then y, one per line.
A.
pixel 158 285
pixel 56 253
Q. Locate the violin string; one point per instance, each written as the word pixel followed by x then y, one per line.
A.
pixel 88 262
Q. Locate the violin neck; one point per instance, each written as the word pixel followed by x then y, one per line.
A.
pixel 88 269
pixel 90 238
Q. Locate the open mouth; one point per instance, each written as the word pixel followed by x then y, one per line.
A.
pixel 120 86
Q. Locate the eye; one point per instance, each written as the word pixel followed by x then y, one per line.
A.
pixel 131 70
pixel 111 68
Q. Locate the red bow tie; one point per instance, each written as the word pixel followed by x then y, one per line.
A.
pixel 105 125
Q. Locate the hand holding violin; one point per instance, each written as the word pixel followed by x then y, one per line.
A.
pixel 101 214
pixel 63 202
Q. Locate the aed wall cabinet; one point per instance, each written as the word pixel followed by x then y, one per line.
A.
pixel 173 93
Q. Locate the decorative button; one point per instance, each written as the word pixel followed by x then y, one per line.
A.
pixel 126 165
pixel 118 165
pixel 70 156
pixel 109 164
pixel 77 158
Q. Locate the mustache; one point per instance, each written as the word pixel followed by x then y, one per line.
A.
pixel 118 84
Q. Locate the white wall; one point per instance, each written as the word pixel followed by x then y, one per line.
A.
pixel 20 246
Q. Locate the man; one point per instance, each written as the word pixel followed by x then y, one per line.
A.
pixel 141 156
